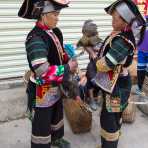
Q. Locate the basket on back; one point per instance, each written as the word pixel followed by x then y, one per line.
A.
pixel 26 77
pixel 133 71
pixel 78 115
pixel 145 85
pixel 129 113
pixel 144 107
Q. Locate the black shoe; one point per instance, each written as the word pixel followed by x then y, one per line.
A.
pixel 61 143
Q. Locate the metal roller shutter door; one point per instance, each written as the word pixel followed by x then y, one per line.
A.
pixel 13 31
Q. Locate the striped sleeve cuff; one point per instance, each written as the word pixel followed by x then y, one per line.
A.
pixel 38 61
pixel 112 59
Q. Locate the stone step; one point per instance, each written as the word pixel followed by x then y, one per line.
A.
pixel 13 102
pixel 11 83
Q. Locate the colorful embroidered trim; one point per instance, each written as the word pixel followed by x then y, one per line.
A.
pixel 46 95
pixel 54 73
pixel 113 104
pixel 110 136
pixel 102 66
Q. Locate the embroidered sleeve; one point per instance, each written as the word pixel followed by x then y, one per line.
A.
pixel 37 55
pixel 36 51
pixel 117 54
pixel 53 74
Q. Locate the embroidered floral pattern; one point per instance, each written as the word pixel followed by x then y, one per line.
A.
pixel 54 73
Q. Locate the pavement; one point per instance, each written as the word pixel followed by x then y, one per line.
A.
pixel 16 134
pixel 15 128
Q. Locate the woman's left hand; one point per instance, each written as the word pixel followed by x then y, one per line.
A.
pixel 78 98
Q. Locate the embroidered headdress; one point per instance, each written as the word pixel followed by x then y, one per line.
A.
pixel 32 9
pixel 128 10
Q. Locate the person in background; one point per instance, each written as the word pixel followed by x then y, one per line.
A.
pixel 75 87
pixel 50 67
pixel 142 65
pixel 81 78
pixel 92 42
pixel 112 67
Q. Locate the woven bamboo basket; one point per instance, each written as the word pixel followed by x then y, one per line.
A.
pixel 129 114
pixel 144 107
pixel 145 85
pixel 78 115
pixel 26 77
pixel 133 71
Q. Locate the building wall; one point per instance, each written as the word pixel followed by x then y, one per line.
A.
pixel 13 31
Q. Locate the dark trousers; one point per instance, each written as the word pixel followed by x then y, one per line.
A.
pixel 47 125
pixel 110 128
pixel 142 67
pixel 141 76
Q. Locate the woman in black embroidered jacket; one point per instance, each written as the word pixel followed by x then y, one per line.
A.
pixel 47 61
pixel 112 74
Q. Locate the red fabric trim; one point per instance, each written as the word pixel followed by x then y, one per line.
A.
pixel 43 27
pixel 65 57
pixel 110 73
pixel 127 29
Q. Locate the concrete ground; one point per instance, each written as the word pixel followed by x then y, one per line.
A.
pixel 16 134
pixel 15 130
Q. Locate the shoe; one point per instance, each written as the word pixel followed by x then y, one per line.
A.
pixel 98 102
pixel 93 105
pixel 61 143
pixel 139 92
pixel 98 146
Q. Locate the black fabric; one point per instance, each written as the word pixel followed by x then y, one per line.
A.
pixel 43 118
pixel 141 76
pixel 51 47
pixel 33 145
pixel 31 94
pixel 91 70
pixel 129 36
pixel 83 92
pixel 122 89
pixel 108 144
pixel 118 50
pixel 27 8
pixel 123 84
pixel 110 122
pixel 52 55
